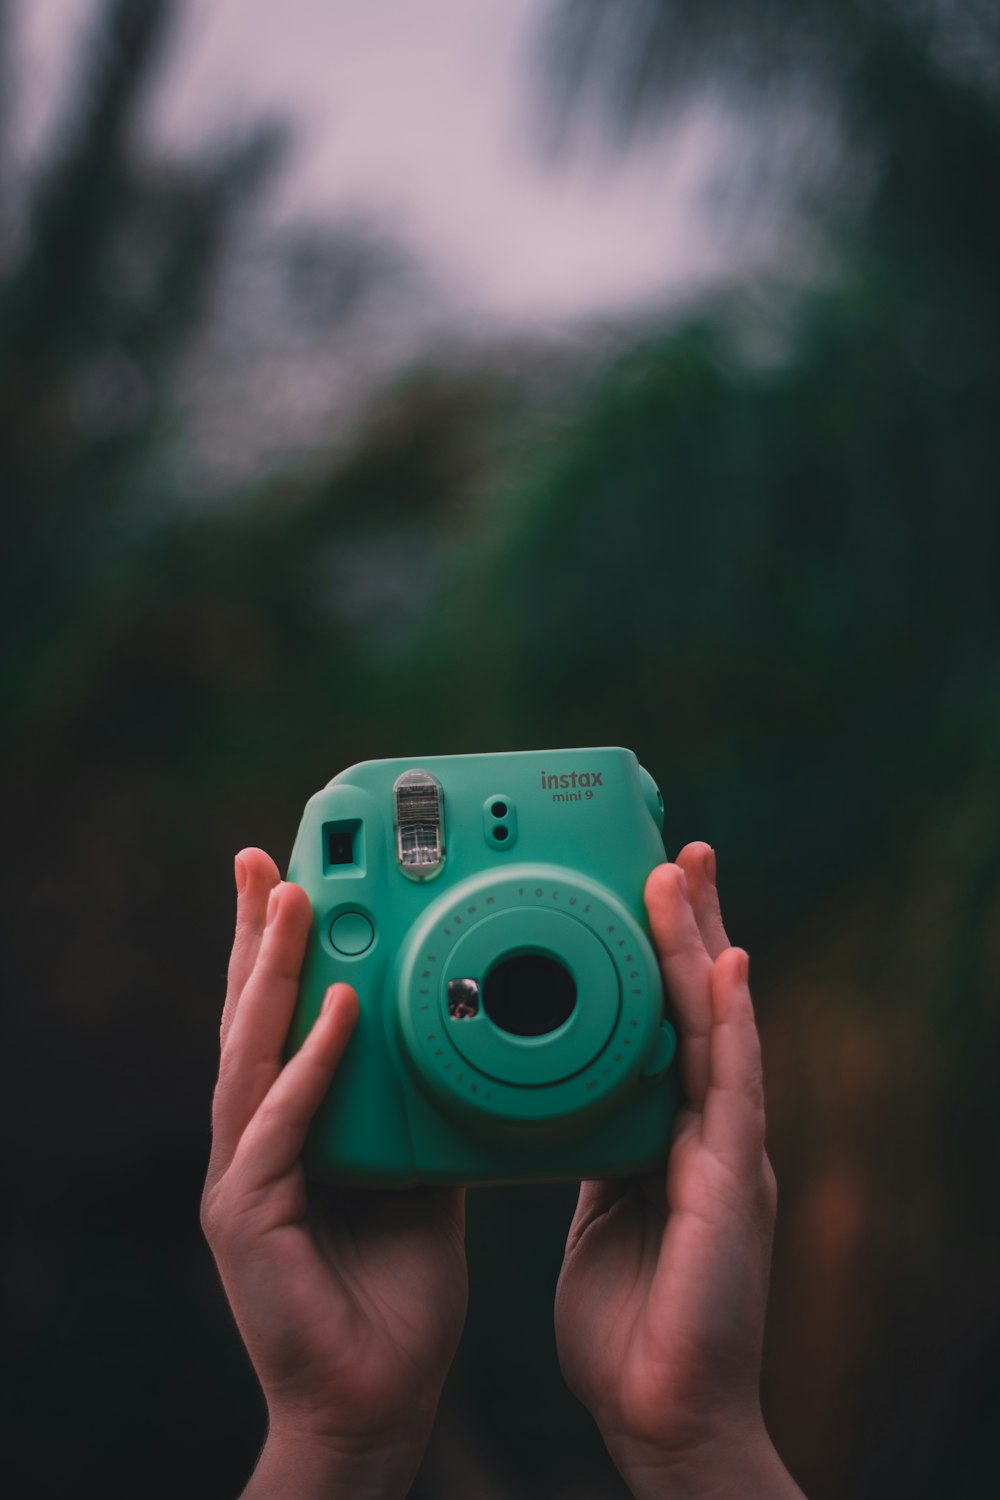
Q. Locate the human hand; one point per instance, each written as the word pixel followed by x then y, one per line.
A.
pixel 350 1302
pixel 661 1300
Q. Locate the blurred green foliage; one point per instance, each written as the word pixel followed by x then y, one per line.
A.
pixel 773 575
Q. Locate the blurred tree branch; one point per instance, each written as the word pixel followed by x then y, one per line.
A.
pixel 118 257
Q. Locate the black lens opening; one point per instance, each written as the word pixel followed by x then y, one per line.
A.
pixel 499 809
pixel 529 994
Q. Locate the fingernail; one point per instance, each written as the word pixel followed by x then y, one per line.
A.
pixel 272 904
pixel 241 874
pixel 327 999
pixel 682 880
pixel 708 864
pixel 743 967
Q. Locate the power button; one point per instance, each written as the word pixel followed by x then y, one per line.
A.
pixel 352 933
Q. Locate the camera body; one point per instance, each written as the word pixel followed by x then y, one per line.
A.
pixel 488 910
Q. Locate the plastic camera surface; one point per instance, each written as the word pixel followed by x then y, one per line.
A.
pixel 488 911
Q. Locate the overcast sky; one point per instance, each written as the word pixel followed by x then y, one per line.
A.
pixel 421 116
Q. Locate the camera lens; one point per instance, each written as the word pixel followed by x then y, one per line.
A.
pixel 499 809
pixel 529 994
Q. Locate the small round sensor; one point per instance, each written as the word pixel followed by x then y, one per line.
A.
pixel 499 821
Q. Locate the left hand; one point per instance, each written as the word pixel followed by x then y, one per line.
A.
pixel 350 1302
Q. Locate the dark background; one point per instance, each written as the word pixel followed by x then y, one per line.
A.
pixel 755 540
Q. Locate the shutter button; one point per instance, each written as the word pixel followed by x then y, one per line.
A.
pixel 662 1052
pixel 352 933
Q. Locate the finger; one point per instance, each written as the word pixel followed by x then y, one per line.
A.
pixel 273 1140
pixel 594 1201
pixel 256 876
pixel 686 969
pixel 697 860
pixel 733 1117
pixel 451 1201
pixel 252 1055
pixel 597 1199
pixel 716 1171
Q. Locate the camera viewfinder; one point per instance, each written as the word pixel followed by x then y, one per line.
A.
pixel 343 847
pixel 340 847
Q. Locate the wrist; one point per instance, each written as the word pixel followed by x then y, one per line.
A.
pixel 734 1461
pixel 307 1467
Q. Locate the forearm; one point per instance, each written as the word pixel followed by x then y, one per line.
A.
pixel 735 1467
pixel 294 1468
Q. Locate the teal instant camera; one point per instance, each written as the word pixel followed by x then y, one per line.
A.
pixel 488 910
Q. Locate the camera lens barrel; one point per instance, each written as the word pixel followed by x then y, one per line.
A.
pixel 527 997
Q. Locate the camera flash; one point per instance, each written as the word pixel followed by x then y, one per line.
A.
pixel 418 808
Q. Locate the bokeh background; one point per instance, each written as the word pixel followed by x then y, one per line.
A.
pixel 480 375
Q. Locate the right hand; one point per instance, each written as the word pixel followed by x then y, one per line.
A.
pixel 350 1302
pixel 660 1305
